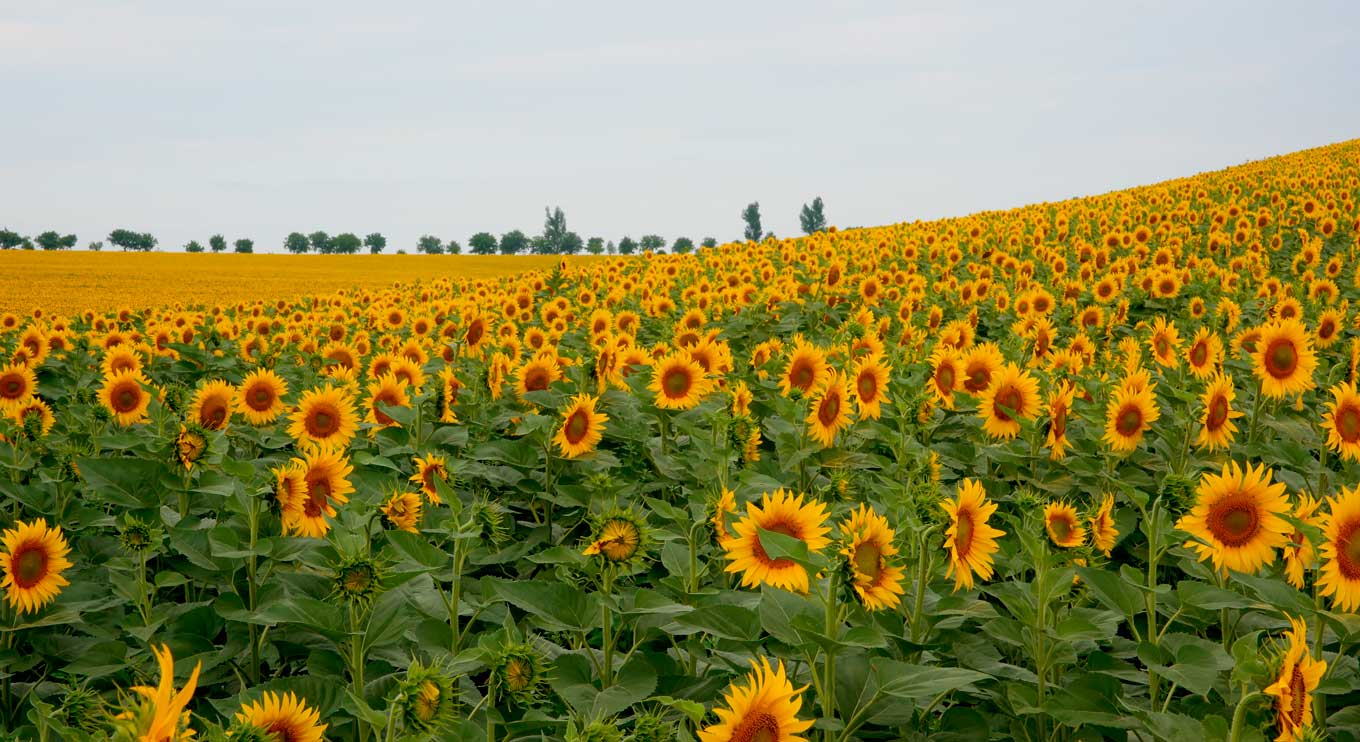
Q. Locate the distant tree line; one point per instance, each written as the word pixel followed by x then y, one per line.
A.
pixel 555 239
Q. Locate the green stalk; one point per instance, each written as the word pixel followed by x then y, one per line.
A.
pixel 1151 598
pixel 1240 716
pixel 828 689
pixel 1255 417
pixel 607 627
pixel 252 578
pixel 1040 638
pixel 356 665
pixel 455 597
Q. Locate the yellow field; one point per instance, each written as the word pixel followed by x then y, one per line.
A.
pixel 70 283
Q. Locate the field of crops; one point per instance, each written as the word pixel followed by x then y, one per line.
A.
pixel 72 283
pixel 1076 471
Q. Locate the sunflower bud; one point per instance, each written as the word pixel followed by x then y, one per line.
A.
pixel 618 536
pixel 83 709
pixel 1179 492
pixel 491 516
pixel 519 673
pixel 652 727
pixel 190 445
pixel 137 536
pixel 595 731
pixel 427 698
pixel 358 580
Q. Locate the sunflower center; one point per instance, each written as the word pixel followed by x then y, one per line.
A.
pixel 1218 413
pixel 260 399
pixel 318 495
pixel 387 398
pixel 283 731
pixel 536 380
pixel 1129 422
pixel 1008 401
pixel 213 415
pixel 30 566
pixel 12 388
pixel 1281 358
pixel 1348 549
pixel 1199 354
pixel 676 382
pixel 760 726
pixel 517 674
pixel 867 387
pixel 474 334
pixel 976 380
pixel 578 425
pixel 1347 421
pixel 1059 421
pixel 323 422
pixel 944 378
pixel 1326 329
pixel 1234 520
pixel 963 534
pixel 868 560
pixel 125 399
pixel 829 410
pixel 1163 348
pixel 1061 527
pixel 801 375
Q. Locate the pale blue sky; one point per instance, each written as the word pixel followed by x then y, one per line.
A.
pixel 255 119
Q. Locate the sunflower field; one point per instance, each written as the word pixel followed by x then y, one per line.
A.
pixel 1075 471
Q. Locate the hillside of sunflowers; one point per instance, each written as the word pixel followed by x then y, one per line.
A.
pixel 1075 471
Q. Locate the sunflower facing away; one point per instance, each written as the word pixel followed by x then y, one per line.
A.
pixel 162 715
pixel 283 717
pixel 679 382
pixel 1216 425
pixel 765 708
pixel 1342 421
pixel 1059 409
pixel 782 512
pixel 212 405
pixel 1012 396
pixel 868 548
pixel 582 427
pixel 429 472
pixel 829 411
pixel 1293 688
pixel 33 560
pixel 1236 519
pixel 1284 359
pixel 325 480
pixel 125 397
pixel 1103 531
pixel 1128 416
pixel 260 397
pixel 970 541
pixel 1063 526
pixel 324 416
pixel 1300 555
pixel 402 510
pixel 1340 575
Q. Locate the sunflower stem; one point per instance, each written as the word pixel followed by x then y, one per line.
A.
pixel 828 689
pixel 1255 417
pixel 1153 555
pixel 253 511
pixel 455 597
pixel 1240 716
pixel 356 664
pixel 607 627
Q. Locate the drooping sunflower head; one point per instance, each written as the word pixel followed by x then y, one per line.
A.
pixel 33 560
pixel 619 536
pixel 781 512
pixel 1236 520
pixel 282 717
pixel 190 444
pixel 1064 528
pixel 260 397
pixel 765 707
pixel 402 509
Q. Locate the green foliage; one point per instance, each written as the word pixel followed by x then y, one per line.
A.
pixel 751 216
pixel 296 243
pixel 812 218
pixel 482 243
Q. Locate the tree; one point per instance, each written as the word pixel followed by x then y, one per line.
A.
pixel 51 240
pixel 482 243
pixel 514 242
pixel 95 246
pixel 321 242
pixel 244 245
pixel 682 246
pixel 595 245
pixel 296 243
pixel 611 248
pixel 652 242
pixel 571 244
pixel 709 242
pixel 10 239
pixel 454 248
pixel 346 243
pixel 129 240
pixel 751 215
pixel 627 246
pixel 217 243
pixel 376 243
pixel 193 246
pixel 812 218
pixel 552 241
pixel 430 245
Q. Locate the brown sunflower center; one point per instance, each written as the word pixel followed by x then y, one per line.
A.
pixel 829 409
pixel 577 427
pixel 963 533
pixel 1129 421
pixel 213 415
pixel 1348 549
pixel 125 398
pixel 284 731
pixel 318 497
pixel 1199 354
pixel 29 565
pixel 474 333
pixel 1218 413
pixel 867 387
pixel 802 374
pixel 323 422
pixel 1061 527
pixel 535 380
pixel 11 386
pixel 1008 402
pixel 1234 520
pixel 1281 358
pixel 944 378
pixel 676 382
pixel 760 726
pixel 260 399
pixel 1058 424
pixel 1326 329
pixel 1347 421
pixel 868 559
pixel 385 397
pixel 977 379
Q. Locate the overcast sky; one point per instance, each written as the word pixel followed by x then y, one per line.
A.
pixel 255 119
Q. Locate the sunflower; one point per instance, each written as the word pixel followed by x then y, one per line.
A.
pixel 971 542
pixel 1012 396
pixel 1236 518
pixel 1063 526
pixel 449 386
pixel 1284 359
pixel 1299 555
pixel 402 510
pixel 18 384
pixel 868 547
pixel 124 396
pixel 212 405
pixel 1340 575
pixel 162 715
pixel 324 417
pixel 679 382
pixel 190 445
pixel 807 369
pixel 1292 690
pixel 35 416
pixel 582 427
pixel 33 560
pixel 869 380
pixel 260 397
pixel 1217 421
pixel 1059 409
pixel 830 410
pixel 782 512
pixel 945 375
pixel 618 536
pixel 429 472
pixel 290 489
pixel 283 717
pixel 1342 421
pixel 537 375
pixel 325 478
pixel 1103 531
pixel 765 708
pixel 388 391
pixel 724 506
pixel 1165 341
pixel 1205 353
pixel 1128 416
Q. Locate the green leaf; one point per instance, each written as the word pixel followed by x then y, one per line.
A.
pixel 907 681
pixel 129 483
pixel 558 606
pixel 722 621
pixel 1110 589
pixel 417 548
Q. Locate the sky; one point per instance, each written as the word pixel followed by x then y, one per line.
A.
pixel 256 119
